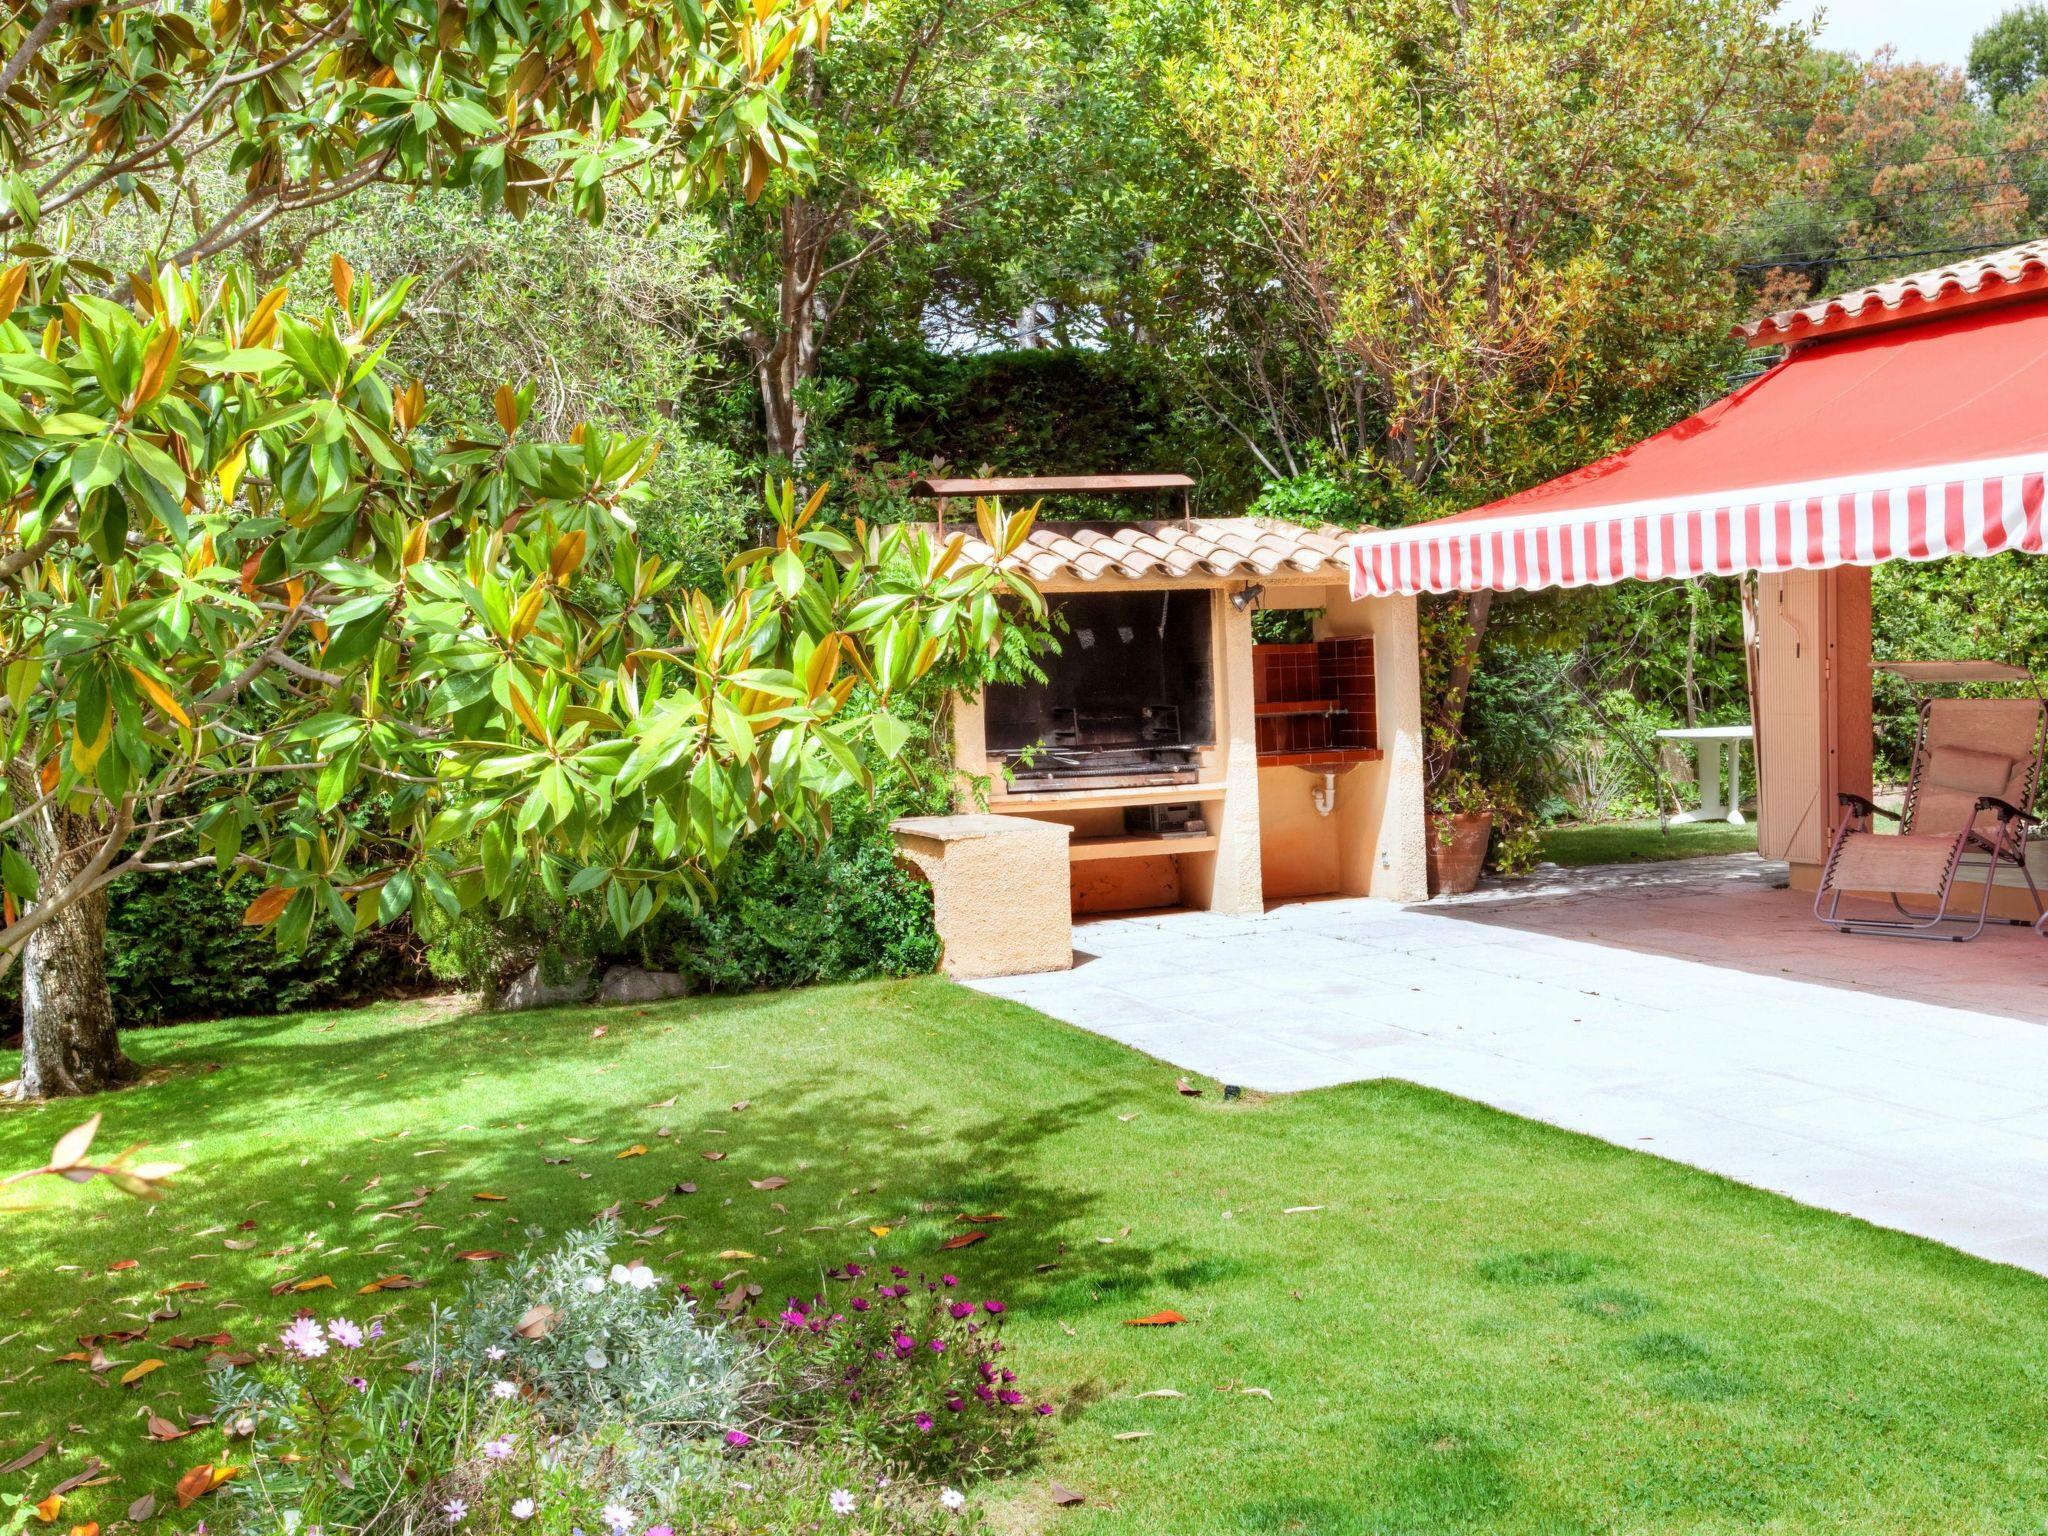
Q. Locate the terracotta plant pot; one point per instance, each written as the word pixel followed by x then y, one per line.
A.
pixel 1457 851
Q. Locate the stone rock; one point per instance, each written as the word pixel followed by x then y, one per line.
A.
pixel 532 989
pixel 631 984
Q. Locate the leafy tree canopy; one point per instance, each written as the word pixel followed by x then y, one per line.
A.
pixel 2009 57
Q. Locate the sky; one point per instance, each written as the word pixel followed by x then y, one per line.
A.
pixel 1938 31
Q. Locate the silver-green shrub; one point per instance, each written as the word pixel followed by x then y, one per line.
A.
pixel 602 1343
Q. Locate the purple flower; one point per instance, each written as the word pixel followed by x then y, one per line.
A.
pixel 1043 1409
pixel 859 1303
pixel 961 1309
pixel 924 1421
pixel 302 1336
pixel 899 1271
pixel 949 1280
pixel 360 1383
pixel 376 1330
pixel 986 1394
pixel 992 1308
pixel 854 1271
pixel 499 1449
pixel 661 1530
pixel 956 1404
pixel 792 1318
pixel 738 1439
pixel 936 1346
pixel 345 1333
pixel 1010 1397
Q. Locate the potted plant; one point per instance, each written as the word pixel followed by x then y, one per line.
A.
pixel 1460 828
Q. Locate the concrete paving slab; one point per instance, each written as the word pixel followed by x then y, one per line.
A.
pixel 1689 1010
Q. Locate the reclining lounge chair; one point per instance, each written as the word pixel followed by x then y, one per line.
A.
pixel 1968 806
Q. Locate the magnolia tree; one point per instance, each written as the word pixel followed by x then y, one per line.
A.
pixel 258 619
pixel 520 99
pixel 261 612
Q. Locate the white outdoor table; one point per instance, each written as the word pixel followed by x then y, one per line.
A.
pixel 1712 742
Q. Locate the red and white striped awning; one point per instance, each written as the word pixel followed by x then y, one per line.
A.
pixel 1912 443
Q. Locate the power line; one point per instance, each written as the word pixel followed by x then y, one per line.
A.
pixel 1849 258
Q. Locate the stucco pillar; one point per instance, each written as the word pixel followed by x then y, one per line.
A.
pixel 1229 880
pixel 1401 859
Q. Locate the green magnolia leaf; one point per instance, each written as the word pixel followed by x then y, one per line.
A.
pixel 96 465
pixel 889 732
pixel 17 874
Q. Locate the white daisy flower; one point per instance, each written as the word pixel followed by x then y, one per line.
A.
pixel 841 1502
pixel 952 1498
pixel 522 1509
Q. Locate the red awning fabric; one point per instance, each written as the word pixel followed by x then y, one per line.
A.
pixel 1908 444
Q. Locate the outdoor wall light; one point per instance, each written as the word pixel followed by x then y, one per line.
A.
pixel 1246 595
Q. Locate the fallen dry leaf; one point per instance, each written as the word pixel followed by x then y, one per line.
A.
pixel 963 1240
pixel 183 1285
pixel 1134 1434
pixel 89 1528
pixel 1064 1496
pixel 194 1340
pixel 28 1458
pixel 159 1428
pixel 881 1231
pixel 667 1103
pixel 535 1322
pixel 479 1255
pixel 714 1157
pixel 985 1217
pixel 390 1283
pixel 484 1194
pixel 135 1373
pixel 47 1510
pixel 194 1483
pixel 773 1181
pixel 142 1508
pixel 317 1283
pixel 1182 1086
pixel 741 1105
pixel 1161 1392
pixel 1156 1320
pixel 738 1253
pixel 635 1150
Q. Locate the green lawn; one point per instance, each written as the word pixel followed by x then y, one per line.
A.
pixel 1642 842
pixel 1478 1323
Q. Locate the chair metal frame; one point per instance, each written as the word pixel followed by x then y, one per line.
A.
pixel 2004 843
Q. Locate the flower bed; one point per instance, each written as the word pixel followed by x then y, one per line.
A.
pixel 572 1395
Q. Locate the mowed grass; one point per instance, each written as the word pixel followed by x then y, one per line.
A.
pixel 1406 1313
pixel 1642 842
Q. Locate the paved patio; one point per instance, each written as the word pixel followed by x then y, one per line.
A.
pixel 1692 1010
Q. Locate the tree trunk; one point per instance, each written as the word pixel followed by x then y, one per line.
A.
pixel 786 359
pixel 68 1043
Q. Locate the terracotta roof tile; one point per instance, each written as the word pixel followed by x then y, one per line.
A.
pixel 1937 291
pixel 1170 550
